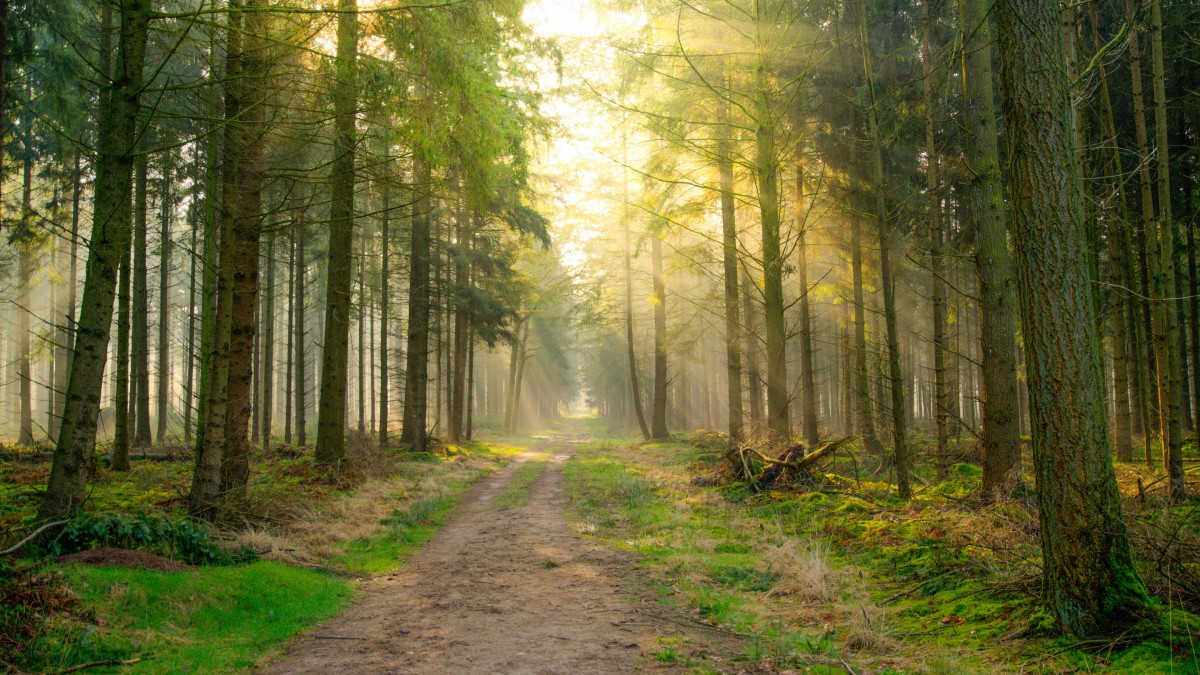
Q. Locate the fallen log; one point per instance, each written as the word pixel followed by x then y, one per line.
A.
pixel 792 461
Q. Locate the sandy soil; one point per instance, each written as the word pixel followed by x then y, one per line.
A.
pixel 509 590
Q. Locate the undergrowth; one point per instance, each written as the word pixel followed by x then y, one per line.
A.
pixel 844 572
pixel 314 529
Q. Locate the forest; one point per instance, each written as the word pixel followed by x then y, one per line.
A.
pixel 593 336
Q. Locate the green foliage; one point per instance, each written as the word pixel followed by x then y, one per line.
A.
pixel 182 539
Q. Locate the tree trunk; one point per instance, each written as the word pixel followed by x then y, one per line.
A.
pixel 361 380
pixel 119 458
pixel 808 385
pixel 1113 208
pixel 245 205
pixel 214 472
pixel 268 346
pixel 109 242
pixel 1155 329
pixel 164 306
pixel 750 331
pixel 470 424
pixel 887 277
pixel 66 340
pixel 658 412
pixel 27 249
pixel 729 243
pixel 862 385
pixel 140 359
pixel 385 301
pixel 1173 440
pixel 416 372
pixel 634 389
pixel 1000 434
pixel 849 398
pixel 190 368
pixel 461 324
pixel 289 327
pixel 331 415
pixel 300 377
pixel 766 169
pixel 941 394
pixel 1088 574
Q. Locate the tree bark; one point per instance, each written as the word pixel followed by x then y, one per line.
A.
pixel 163 403
pixel 1172 447
pixel 766 171
pixel 1088 575
pixel 416 372
pixel 1000 434
pixel 862 386
pixel 109 242
pixel 298 274
pixel 658 412
pixel 733 330
pixel 808 386
pixel 331 415
pixel 385 301
pixel 140 359
pixel 887 277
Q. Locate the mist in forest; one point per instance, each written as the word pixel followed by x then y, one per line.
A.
pixel 898 231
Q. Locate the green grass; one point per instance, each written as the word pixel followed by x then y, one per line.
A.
pixel 225 618
pixel 207 619
pixel 516 494
pixel 707 549
pixel 406 531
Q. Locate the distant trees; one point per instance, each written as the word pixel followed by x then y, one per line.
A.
pixel 234 143
pixel 911 327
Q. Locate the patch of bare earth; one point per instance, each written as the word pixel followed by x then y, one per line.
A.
pixel 119 557
pixel 510 590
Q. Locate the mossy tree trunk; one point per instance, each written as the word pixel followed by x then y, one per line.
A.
pixel 1088 576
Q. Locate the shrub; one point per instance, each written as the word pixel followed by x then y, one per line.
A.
pixel 183 539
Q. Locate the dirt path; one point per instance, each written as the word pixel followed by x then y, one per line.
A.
pixel 509 590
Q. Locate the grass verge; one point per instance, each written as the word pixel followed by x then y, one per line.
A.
pixel 821 579
pixel 314 531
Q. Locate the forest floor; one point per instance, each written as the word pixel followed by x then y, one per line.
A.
pixel 577 552
pixel 508 587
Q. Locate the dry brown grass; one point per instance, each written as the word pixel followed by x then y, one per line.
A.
pixel 310 527
pixel 804 570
